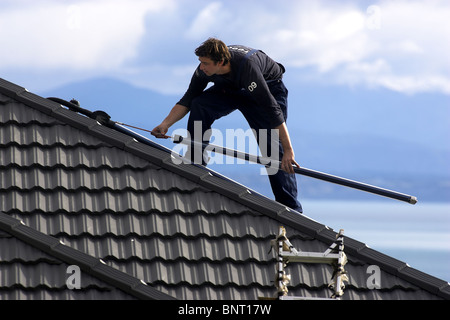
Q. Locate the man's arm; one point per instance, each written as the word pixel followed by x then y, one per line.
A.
pixel 288 156
pixel 198 83
pixel 177 113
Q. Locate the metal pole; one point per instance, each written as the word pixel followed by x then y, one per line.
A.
pixel 104 118
pixel 303 171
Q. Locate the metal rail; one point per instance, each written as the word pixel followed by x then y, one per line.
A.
pixel 303 171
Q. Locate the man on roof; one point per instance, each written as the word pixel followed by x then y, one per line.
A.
pixel 250 81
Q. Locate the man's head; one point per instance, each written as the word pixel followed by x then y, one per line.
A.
pixel 214 56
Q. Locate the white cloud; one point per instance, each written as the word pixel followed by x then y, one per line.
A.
pixel 206 21
pixel 401 45
pixel 81 35
pixel 414 42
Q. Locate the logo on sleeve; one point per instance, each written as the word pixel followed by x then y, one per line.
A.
pixel 252 86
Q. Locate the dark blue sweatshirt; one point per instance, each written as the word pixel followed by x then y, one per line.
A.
pixel 249 74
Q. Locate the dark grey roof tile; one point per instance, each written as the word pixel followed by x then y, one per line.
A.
pixel 66 157
pixel 33 134
pixel 302 223
pixel 444 291
pixel 12 251
pixel 45 106
pixel 214 224
pixel 148 153
pixel 107 200
pixel 419 278
pixel 155 247
pixel 43 293
pixel 198 272
pixel 114 138
pixel 67 255
pixel 79 179
pixel 28 273
pixel 377 258
pixel 10 89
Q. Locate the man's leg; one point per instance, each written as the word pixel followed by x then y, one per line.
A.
pixel 284 185
pixel 205 109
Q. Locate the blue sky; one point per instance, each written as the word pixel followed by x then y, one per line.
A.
pixel 399 45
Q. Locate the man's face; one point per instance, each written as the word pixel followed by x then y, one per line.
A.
pixel 209 67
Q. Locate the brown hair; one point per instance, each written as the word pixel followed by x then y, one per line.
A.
pixel 214 49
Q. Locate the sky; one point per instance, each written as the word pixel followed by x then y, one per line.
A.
pixel 399 45
pixel 396 46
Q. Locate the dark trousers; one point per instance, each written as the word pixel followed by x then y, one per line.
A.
pixel 215 103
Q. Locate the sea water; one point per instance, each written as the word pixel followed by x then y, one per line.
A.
pixel 416 234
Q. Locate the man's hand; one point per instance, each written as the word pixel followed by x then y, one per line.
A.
pixel 177 113
pixel 287 162
pixel 288 156
pixel 160 132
